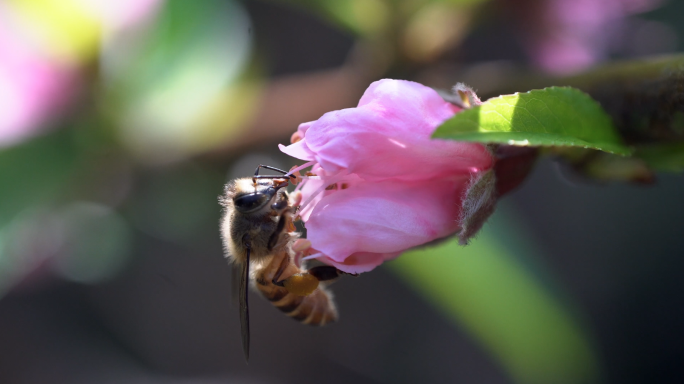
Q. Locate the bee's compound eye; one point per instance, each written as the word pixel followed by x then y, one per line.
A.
pixel 251 202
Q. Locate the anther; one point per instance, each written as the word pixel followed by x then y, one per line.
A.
pixel 295 138
pixel 301 245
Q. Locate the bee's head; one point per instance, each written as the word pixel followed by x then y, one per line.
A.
pixel 250 197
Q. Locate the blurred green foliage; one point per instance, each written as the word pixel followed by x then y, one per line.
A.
pixel 498 291
pixel 663 157
pixel 369 17
pixel 36 172
pixel 183 87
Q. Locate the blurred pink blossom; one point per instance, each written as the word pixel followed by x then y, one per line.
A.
pixel 566 36
pixel 36 84
pixel 31 85
pixel 382 184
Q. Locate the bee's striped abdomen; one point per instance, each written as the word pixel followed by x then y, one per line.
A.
pixel 314 309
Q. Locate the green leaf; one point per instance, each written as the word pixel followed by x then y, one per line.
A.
pixel 555 116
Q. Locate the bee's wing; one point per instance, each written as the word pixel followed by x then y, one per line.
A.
pixel 244 305
pixel 235 276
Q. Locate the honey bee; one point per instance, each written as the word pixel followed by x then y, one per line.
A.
pixel 259 237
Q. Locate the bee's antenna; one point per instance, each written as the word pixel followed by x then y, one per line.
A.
pixel 286 175
pixel 256 173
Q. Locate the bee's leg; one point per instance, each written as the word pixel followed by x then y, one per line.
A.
pixel 303 284
pixel 327 272
pixel 306 282
pixel 275 236
pixel 296 198
pixel 279 272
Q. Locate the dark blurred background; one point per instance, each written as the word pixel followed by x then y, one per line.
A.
pixel 120 123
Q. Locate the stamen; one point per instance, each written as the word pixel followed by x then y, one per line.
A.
pixel 334 179
pixel 295 137
pixel 300 185
pixel 305 165
pixel 301 245
pixel 314 256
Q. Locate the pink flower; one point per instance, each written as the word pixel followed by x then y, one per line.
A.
pixel 566 36
pixel 32 87
pixel 39 75
pixel 382 184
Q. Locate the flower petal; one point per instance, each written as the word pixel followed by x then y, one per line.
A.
pixel 303 127
pixel 298 150
pixel 388 136
pixel 384 217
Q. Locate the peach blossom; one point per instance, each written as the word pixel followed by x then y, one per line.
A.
pixel 382 184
